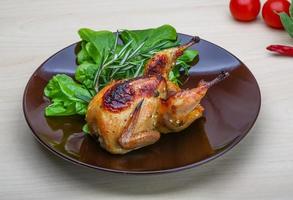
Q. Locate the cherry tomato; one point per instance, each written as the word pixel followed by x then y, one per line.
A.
pixel 244 10
pixel 270 10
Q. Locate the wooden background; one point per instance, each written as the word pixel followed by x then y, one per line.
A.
pixel 260 167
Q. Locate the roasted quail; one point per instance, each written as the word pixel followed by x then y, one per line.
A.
pixel 130 114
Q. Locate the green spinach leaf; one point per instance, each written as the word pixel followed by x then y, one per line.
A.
pixel 98 43
pixel 67 97
pixel 82 55
pixel 188 56
pixel 95 46
pixel 85 74
pixel 151 37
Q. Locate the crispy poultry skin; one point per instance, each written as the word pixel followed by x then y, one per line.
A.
pixel 130 114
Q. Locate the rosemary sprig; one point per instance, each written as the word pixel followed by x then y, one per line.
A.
pixel 123 60
pixel 139 69
pixel 128 61
pixel 105 63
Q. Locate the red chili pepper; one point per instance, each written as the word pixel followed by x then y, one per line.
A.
pixel 281 49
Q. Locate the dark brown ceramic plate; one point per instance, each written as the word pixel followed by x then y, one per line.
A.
pixel 231 109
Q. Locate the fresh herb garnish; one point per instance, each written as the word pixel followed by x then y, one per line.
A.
pixel 126 60
pixel 67 97
pixel 102 59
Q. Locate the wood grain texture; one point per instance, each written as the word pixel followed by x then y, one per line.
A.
pixel 260 167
